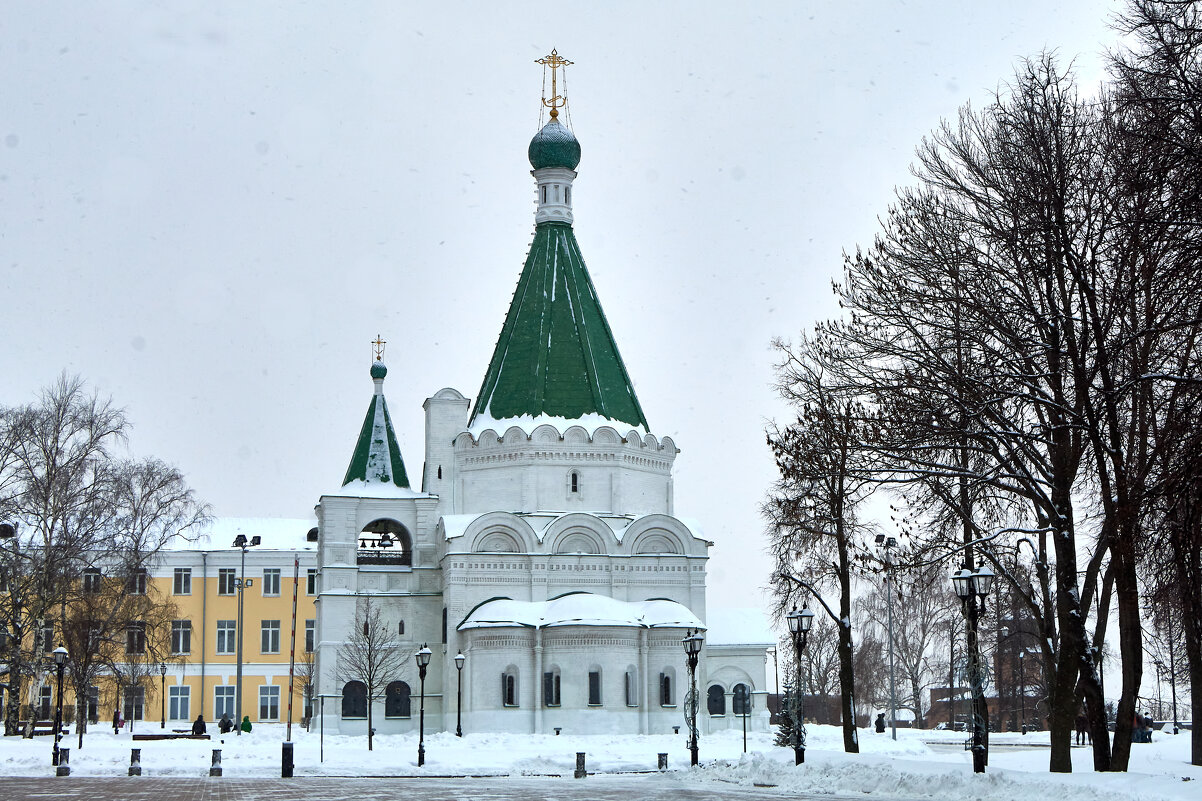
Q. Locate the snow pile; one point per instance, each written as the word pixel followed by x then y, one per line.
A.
pixel 920 764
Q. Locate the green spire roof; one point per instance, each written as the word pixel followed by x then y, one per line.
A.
pixel 556 356
pixel 377 457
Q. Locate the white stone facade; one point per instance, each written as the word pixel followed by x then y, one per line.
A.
pixel 530 518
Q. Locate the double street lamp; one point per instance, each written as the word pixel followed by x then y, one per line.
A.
pixel 973 586
pixel 423 661
pixel 459 657
pixel 241 583
pixel 799 629
pixel 60 663
pixel 692 643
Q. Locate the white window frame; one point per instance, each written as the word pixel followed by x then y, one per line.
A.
pixel 228 628
pixel 269 694
pixel 269 636
pixel 181 581
pixel 181 635
pixel 225 694
pixel 179 702
pixel 271 582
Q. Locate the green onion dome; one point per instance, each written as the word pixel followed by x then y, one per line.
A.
pixel 378 370
pixel 554 146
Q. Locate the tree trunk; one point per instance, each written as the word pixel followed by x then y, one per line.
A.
pixel 1130 648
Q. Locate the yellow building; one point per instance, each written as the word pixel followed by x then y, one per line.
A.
pixel 201 580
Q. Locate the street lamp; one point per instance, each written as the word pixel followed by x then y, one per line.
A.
pixel 459 658
pixel 973 586
pixel 60 663
pixel 886 543
pixel 163 695
pixel 799 627
pixel 423 661
pixel 241 583
pixel 692 643
pixel 1022 689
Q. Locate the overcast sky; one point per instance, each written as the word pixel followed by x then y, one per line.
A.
pixel 210 209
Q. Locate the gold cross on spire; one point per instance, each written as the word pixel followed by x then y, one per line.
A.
pixel 554 61
pixel 378 346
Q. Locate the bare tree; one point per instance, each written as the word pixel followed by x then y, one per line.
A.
pixel 922 607
pixel 71 506
pixel 371 655
pixel 812 507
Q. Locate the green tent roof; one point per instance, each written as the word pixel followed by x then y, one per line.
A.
pixel 556 356
pixel 377 456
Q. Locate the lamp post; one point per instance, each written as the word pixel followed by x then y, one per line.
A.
pixel 1022 689
pixel 163 695
pixel 692 643
pixel 887 543
pixel 459 658
pixel 423 661
pixel 60 663
pixel 973 587
pixel 799 628
pixel 241 583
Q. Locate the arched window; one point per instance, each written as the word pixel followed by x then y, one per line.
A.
pixel 632 686
pixel 667 687
pixel 567 195
pixel 715 700
pixel 509 686
pixel 400 629
pixel 396 700
pixel 551 687
pixel 354 699
pixel 594 685
pixel 574 481
pixel 741 704
pixel 544 193
pixel 384 542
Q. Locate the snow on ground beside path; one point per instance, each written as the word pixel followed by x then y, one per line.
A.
pixel 907 768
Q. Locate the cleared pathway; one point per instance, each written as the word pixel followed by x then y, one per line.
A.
pixel 594 788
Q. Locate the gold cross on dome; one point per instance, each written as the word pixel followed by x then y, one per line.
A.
pixel 554 61
pixel 378 346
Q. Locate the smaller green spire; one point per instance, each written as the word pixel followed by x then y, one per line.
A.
pixel 377 456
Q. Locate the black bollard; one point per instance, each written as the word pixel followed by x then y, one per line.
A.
pixel 580 771
pixel 135 762
pixel 64 757
pixel 663 761
pixel 215 769
pixel 286 766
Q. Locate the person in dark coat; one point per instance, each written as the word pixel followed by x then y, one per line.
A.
pixel 116 720
pixel 225 725
pixel 199 726
pixel 880 723
pixel 1082 729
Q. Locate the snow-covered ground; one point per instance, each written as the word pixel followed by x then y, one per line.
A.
pixel 908 768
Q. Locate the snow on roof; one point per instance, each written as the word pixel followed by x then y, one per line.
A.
pixel 279 534
pixel 374 489
pixel 739 626
pixel 580 609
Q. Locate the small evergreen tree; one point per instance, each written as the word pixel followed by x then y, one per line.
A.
pixel 784 730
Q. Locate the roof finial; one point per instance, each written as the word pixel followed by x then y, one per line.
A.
pixel 554 61
pixel 378 347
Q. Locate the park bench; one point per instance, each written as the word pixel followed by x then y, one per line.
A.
pixel 172 736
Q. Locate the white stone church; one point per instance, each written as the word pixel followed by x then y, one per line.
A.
pixel 543 544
